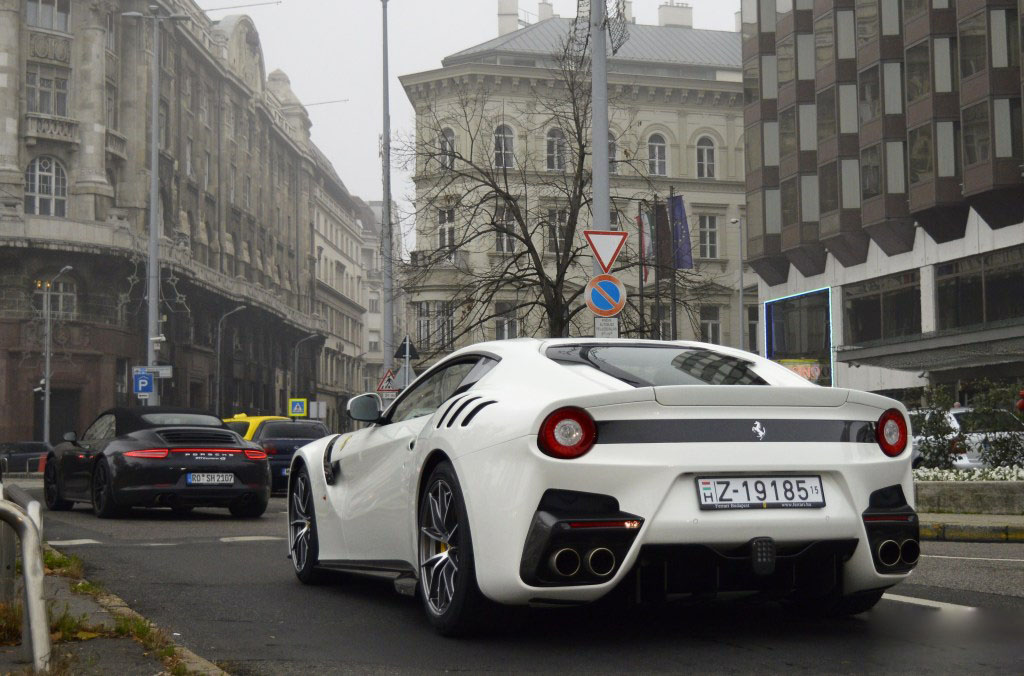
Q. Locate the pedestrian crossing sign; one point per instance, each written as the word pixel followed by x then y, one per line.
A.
pixel 298 407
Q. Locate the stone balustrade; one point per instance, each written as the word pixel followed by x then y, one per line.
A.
pixel 117 145
pixel 40 126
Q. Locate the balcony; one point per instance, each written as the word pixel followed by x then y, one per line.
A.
pixel 50 128
pixel 117 145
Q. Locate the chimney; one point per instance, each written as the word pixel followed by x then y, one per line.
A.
pixel 545 10
pixel 629 12
pixel 739 21
pixel 508 16
pixel 672 14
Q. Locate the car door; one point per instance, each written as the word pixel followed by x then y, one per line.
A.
pixel 375 471
pixel 76 463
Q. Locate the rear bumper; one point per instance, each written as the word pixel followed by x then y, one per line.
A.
pixel 164 482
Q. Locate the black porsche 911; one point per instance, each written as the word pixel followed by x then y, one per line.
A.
pixel 157 457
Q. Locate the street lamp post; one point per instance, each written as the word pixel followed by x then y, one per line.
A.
pixel 739 222
pixel 217 377
pixel 386 235
pixel 48 351
pixel 153 271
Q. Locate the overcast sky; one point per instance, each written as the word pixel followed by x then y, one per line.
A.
pixel 331 49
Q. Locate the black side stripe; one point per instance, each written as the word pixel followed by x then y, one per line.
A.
pixel 440 420
pixel 465 402
pixel 733 430
pixel 472 414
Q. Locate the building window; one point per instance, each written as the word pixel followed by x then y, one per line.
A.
pixel 787 132
pixel 826 114
pixel 973 45
pixel 506 325
pixel 710 326
pixel 708 226
pixel 785 59
pixel 504 229
pixel 208 173
pixel 657 155
pixel 374 303
pixel 919 74
pixel 232 184
pixel 824 41
pixel 63 299
pixel 435 324
pixel 447 147
pixel 871 172
pixel 189 168
pixel 204 105
pixel 828 187
pixel 1005 39
pixel 51 14
pixel 47 89
pixel 867 21
pixel 111 32
pixel 981 289
pixel 163 121
pixel 705 158
pixel 504 157
pixel 886 307
pixel 870 104
pixel 976 133
pixel 246 192
pixel 374 341
pixel 446 228
pixel 110 105
pixel 752 325
pixel 790 196
pixel 46 188
pixel 922 149
pixel 556 150
pixel 557 225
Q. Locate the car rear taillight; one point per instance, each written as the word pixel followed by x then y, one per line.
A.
pixel 255 454
pixel 148 453
pixel 270 449
pixel 567 433
pixel 891 433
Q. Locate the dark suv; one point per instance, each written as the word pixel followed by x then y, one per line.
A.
pixel 280 438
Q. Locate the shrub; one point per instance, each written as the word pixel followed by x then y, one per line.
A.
pixel 934 437
pixel 992 415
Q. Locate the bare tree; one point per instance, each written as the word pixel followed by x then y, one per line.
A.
pixel 504 214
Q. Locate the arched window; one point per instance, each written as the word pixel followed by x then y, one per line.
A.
pixel 556 150
pixel 613 164
pixel 46 187
pixel 657 155
pixel 705 158
pixel 447 143
pixel 503 151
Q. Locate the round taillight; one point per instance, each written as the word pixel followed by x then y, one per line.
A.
pixel 567 433
pixel 891 433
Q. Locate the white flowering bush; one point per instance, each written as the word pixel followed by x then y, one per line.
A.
pixel 1015 473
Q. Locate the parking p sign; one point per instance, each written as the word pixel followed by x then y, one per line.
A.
pixel 142 385
pixel 298 408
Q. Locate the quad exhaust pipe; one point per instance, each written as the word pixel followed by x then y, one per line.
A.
pixel 599 562
pixel 565 562
pixel 910 552
pixel 889 553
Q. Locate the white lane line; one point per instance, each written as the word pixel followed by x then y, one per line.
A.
pixel 927 603
pixel 71 543
pixel 968 558
pixel 157 544
pixel 251 538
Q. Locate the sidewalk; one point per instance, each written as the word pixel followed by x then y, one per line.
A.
pixel 972 527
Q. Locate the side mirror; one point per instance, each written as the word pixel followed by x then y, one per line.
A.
pixel 365 407
pixel 71 436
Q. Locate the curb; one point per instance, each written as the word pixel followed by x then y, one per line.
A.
pixel 116 606
pixel 956 532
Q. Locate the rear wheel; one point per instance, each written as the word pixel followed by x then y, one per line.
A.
pixel 248 507
pixel 51 488
pixel 104 504
pixel 304 548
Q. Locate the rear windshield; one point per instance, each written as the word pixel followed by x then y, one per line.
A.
pixel 293 430
pixel 182 419
pixel 240 427
pixel 657 365
pixel 991 421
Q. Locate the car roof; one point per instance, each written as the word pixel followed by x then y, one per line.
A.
pixel 129 419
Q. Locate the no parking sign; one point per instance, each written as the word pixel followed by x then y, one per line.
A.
pixel 605 295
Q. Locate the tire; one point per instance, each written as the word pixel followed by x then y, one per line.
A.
pixel 249 507
pixel 448 589
pixel 303 544
pixel 51 488
pixel 104 504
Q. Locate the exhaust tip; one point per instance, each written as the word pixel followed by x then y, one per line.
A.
pixel 910 552
pixel 565 562
pixel 600 562
pixel 889 553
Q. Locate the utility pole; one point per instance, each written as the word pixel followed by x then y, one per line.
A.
pixel 48 351
pixel 743 332
pixel 599 118
pixel 387 244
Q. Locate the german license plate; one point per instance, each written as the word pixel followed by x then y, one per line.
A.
pixel 285 471
pixel 207 478
pixel 760 492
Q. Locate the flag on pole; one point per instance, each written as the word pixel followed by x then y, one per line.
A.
pixel 643 226
pixel 682 247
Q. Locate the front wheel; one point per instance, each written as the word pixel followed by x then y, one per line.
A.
pixel 51 488
pixel 304 548
pixel 448 588
pixel 104 504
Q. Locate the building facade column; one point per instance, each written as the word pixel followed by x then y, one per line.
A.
pixel 929 308
pixel 11 172
pixel 87 96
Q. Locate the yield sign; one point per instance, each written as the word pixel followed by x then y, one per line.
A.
pixel 606 245
pixel 387 383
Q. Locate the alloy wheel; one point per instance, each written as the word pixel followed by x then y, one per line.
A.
pixel 99 487
pixel 50 491
pixel 439 550
pixel 300 521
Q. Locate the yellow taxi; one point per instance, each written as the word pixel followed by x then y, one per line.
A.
pixel 246 425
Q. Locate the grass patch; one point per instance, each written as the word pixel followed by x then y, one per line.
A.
pixel 61 564
pixel 67 627
pixel 86 587
pixel 10 623
pixel 153 640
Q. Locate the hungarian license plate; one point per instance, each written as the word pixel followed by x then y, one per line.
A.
pixel 760 492
pixel 207 478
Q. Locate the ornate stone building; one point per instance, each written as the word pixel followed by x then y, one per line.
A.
pixel 676 126
pixel 240 186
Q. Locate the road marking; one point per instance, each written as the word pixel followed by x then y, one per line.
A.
pixel 157 544
pixel 71 543
pixel 927 603
pixel 968 558
pixel 251 538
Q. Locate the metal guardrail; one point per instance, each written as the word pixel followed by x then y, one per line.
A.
pixel 22 513
pixel 23 467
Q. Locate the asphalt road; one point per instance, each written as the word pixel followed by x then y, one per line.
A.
pixel 226 590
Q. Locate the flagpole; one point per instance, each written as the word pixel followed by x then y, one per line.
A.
pixel 675 255
pixel 640 231
pixel 656 320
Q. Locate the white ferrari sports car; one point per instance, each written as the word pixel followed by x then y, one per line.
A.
pixel 550 472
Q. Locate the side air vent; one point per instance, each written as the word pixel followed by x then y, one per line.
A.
pixel 455 402
pixel 462 407
pixel 479 407
pixel 198 436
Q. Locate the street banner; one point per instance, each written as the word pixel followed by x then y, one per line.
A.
pixel 682 247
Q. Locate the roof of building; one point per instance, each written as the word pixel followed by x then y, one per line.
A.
pixel 647 44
